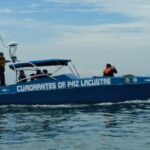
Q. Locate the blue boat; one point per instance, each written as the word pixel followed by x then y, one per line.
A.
pixel 69 88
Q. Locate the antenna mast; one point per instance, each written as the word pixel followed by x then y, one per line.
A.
pixel 12 51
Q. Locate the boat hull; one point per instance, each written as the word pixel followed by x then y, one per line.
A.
pixel 80 95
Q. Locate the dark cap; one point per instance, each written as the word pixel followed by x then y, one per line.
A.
pixel 108 65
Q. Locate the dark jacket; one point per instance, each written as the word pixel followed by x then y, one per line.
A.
pixel 2 62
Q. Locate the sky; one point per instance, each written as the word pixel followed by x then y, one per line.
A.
pixel 89 32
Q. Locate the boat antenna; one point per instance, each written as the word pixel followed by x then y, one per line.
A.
pixel 2 41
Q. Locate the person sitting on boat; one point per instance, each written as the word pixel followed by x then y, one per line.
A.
pixel 109 71
pixel 22 76
pixel 45 73
pixel 2 69
pixel 38 74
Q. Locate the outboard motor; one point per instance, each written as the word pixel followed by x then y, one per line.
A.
pixel 12 51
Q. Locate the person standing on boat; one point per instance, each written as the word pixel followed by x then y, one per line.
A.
pixel 2 69
pixel 109 71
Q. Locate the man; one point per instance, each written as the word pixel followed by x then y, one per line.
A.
pixel 109 71
pixel 22 76
pixel 2 69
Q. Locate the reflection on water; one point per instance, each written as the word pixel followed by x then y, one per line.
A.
pixel 104 126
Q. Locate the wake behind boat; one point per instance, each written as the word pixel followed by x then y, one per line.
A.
pixel 45 88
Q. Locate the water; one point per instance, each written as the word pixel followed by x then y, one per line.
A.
pixel 124 126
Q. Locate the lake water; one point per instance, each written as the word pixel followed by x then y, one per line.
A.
pixel 122 126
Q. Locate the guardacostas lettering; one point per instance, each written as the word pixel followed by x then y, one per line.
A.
pixel 63 85
pixel 36 87
pixel 95 82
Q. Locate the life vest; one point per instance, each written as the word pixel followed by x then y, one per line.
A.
pixel 2 62
pixel 107 70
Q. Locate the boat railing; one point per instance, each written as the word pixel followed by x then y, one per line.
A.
pixel 42 75
pixel 35 77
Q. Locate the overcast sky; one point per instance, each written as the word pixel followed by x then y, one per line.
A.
pixel 90 32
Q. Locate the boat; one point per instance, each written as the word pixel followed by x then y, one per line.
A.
pixel 68 88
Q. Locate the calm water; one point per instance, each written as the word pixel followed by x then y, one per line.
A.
pixel 124 126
